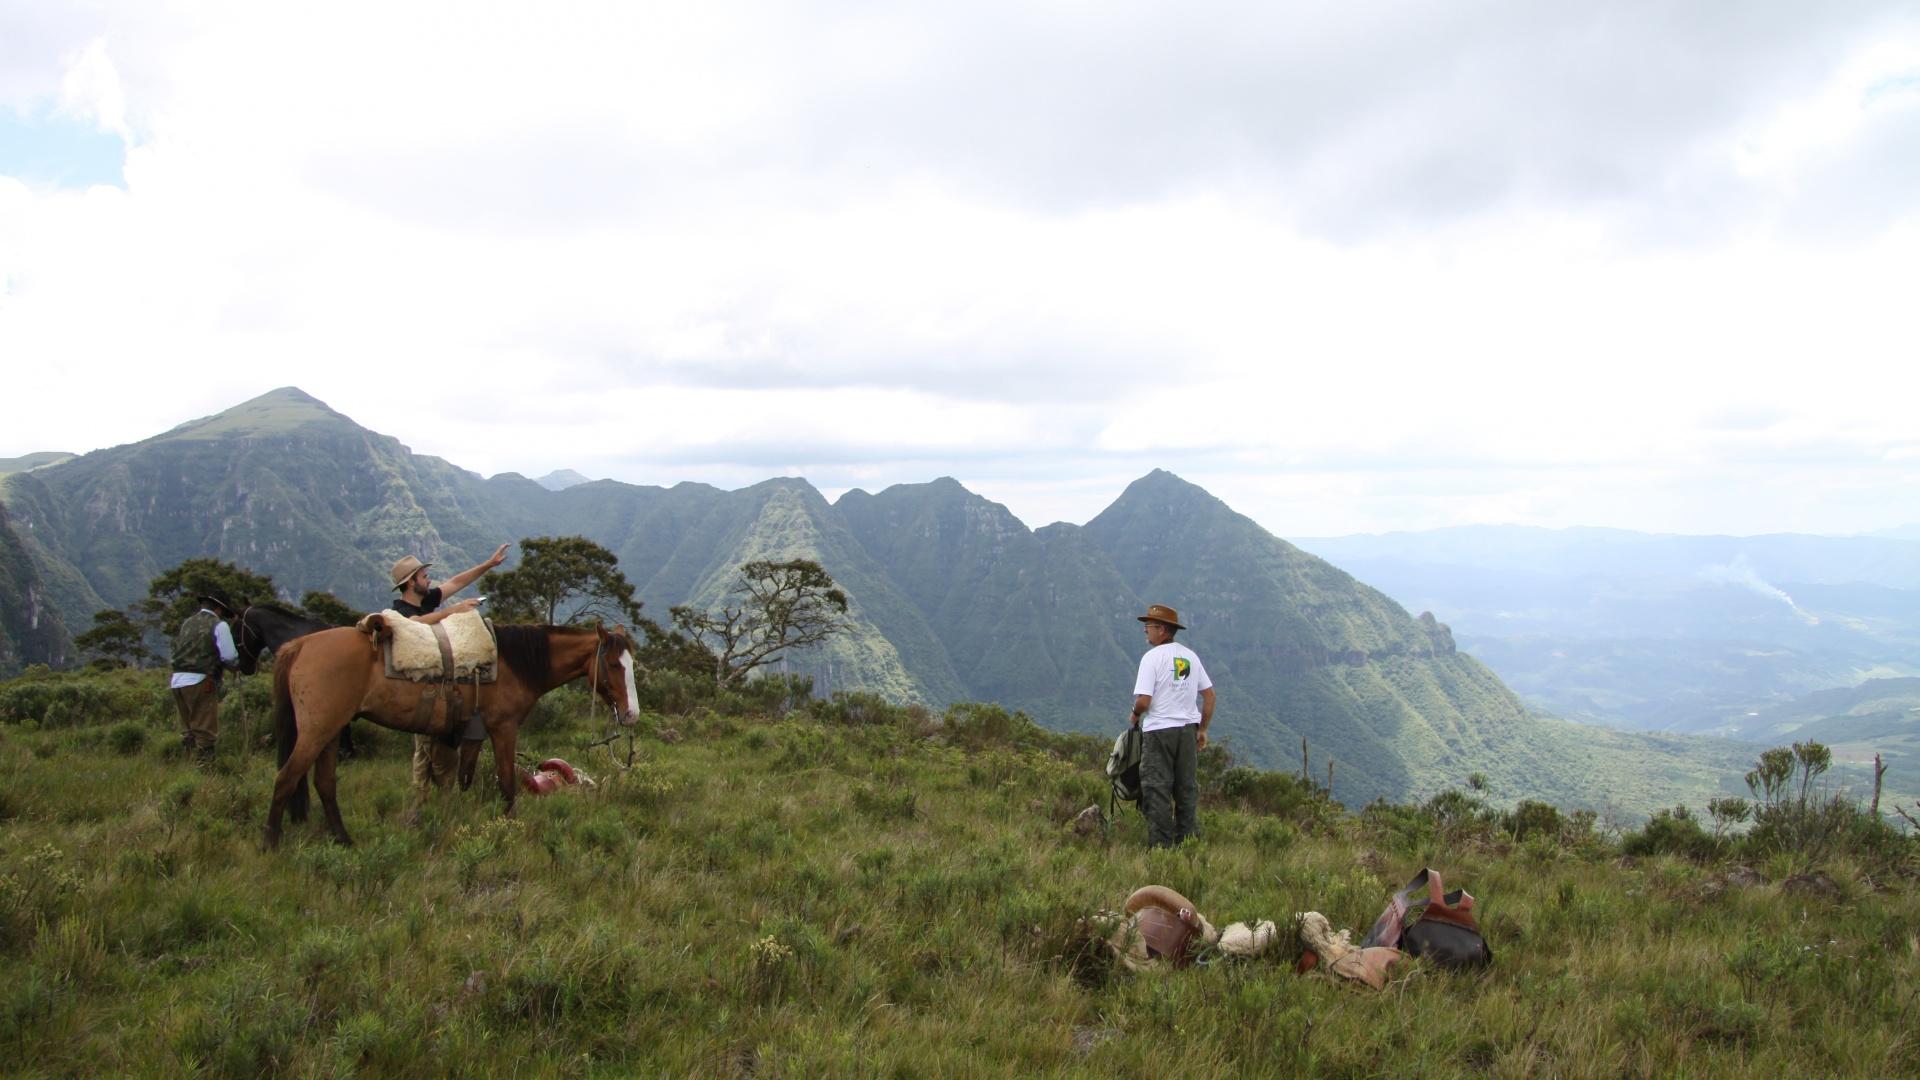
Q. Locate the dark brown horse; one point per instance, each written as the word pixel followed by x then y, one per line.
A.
pixel 323 680
pixel 264 628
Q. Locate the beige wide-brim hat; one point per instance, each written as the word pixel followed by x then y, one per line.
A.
pixel 1162 613
pixel 404 570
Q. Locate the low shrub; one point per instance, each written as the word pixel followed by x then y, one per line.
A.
pixel 772 694
pixel 1532 818
pixel 1671 832
pixel 1281 794
pixel 976 726
pixel 127 737
pixel 674 693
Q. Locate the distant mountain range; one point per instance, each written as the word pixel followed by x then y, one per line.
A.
pixel 1696 634
pixel 953 598
pixel 561 480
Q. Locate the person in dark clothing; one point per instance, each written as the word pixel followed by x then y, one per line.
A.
pixel 433 761
pixel 202 648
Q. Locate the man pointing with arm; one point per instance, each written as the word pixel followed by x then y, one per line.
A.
pixel 1172 705
pixel 420 599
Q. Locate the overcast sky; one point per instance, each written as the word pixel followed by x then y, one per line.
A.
pixel 1352 267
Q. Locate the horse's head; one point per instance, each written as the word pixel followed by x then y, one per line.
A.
pixel 613 673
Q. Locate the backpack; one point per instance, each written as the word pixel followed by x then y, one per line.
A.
pixel 1445 929
pixel 1123 768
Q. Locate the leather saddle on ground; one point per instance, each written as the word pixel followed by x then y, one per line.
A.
pixel 1445 929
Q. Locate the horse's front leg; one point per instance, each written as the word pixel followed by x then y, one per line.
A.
pixel 504 737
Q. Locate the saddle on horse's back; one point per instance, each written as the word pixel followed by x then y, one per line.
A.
pixel 458 648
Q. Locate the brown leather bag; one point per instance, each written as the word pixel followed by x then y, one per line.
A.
pixel 1445 929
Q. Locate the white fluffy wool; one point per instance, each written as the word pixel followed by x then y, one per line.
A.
pixel 1248 941
pixel 416 652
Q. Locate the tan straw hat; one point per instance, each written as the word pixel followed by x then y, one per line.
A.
pixel 404 570
pixel 1163 614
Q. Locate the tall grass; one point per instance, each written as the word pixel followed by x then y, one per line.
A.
pixel 847 888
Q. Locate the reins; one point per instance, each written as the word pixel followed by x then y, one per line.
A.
pixel 247 628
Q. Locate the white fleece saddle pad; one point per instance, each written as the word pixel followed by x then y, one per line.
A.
pixel 415 651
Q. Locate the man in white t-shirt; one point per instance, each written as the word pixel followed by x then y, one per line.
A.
pixel 1172 705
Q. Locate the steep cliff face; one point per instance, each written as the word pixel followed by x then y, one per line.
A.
pixel 1025 617
pixel 31 630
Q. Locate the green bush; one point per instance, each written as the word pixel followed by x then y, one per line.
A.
pixel 1281 794
pixel 81 698
pixel 1458 816
pixel 1671 832
pixel 976 726
pixel 1532 818
pixel 674 693
pixel 769 694
pixel 1825 828
pixel 127 737
pixel 62 702
pixel 854 708
pixel 1791 818
pixel 1398 827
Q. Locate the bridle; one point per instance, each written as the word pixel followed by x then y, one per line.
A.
pixel 247 628
pixel 615 728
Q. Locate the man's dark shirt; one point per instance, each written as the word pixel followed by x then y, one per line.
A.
pixel 427 606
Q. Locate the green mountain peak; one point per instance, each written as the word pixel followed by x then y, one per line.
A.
pixel 276 412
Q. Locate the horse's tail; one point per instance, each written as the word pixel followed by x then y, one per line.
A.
pixel 285 731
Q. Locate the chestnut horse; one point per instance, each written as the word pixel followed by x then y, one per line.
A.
pixel 323 680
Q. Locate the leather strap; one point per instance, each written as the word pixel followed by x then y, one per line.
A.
pixel 423 709
pixel 441 639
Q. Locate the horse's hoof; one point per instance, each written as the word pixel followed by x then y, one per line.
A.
pixel 271 840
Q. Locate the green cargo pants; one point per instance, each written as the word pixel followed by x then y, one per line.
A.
pixel 1169 786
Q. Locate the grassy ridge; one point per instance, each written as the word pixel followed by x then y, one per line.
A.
pixel 863 890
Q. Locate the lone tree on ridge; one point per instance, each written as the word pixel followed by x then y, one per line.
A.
pixel 563 580
pixel 779 606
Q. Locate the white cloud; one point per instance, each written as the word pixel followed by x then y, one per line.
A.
pixel 1356 266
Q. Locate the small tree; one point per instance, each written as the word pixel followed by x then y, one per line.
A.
pixel 1727 812
pixel 174 595
pixel 1769 776
pixel 328 608
pixel 117 639
pixel 1813 759
pixel 660 649
pixel 562 580
pixel 779 606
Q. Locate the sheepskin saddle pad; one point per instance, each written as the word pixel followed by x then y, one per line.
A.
pixel 458 647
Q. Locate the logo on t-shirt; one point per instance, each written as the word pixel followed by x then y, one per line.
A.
pixel 1181 668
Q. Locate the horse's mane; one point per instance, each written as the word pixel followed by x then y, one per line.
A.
pixel 527 649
